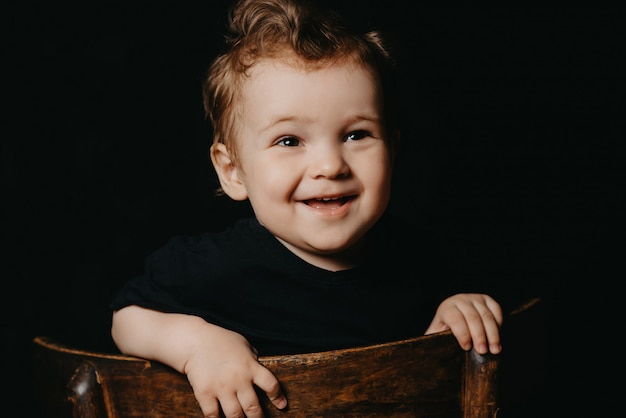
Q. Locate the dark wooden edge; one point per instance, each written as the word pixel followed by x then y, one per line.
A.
pixel 483 370
pixel 481 376
pixel 53 344
pixel 85 392
pixel 525 306
pixel 479 401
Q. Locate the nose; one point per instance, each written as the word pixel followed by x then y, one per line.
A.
pixel 328 161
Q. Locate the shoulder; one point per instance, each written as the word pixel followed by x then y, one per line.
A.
pixel 233 239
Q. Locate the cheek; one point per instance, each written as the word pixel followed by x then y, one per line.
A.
pixel 378 182
pixel 376 170
pixel 270 180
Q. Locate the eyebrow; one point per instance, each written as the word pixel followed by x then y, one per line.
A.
pixel 370 118
pixel 353 119
pixel 277 121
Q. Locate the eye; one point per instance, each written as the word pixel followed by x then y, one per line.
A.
pixel 356 135
pixel 288 141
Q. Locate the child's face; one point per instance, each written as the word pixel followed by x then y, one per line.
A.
pixel 314 160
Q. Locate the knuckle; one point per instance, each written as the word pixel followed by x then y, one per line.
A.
pixel 253 409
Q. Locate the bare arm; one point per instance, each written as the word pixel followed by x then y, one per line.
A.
pixel 220 364
pixel 474 318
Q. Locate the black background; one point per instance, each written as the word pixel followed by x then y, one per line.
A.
pixel 513 122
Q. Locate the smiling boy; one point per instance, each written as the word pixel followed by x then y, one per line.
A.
pixel 303 130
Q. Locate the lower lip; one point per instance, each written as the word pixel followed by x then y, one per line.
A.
pixel 331 211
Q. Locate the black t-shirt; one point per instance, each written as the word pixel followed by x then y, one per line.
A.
pixel 245 280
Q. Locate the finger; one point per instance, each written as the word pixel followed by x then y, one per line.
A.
pixel 493 323
pixel 460 328
pixel 436 326
pixel 476 325
pixel 493 338
pixel 231 406
pixel 268 383
pixel 485 327
pixel 210 407
pixel 249 403
pixel 496 310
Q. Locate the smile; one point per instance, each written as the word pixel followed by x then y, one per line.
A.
pixel 328 203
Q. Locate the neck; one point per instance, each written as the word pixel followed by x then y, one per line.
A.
pixel 342 260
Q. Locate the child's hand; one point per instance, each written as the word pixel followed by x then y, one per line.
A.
pixel 220 364
pixel 472 317
pixel 226 377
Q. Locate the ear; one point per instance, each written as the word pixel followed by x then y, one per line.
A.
pixel 227 172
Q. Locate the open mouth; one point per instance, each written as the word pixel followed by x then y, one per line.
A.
pixel 328 203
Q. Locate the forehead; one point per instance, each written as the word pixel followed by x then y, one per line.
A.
pixel 288 61
pixel 274 76
pixel 272 82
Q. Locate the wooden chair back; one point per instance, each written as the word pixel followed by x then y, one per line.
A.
pixel 427 376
